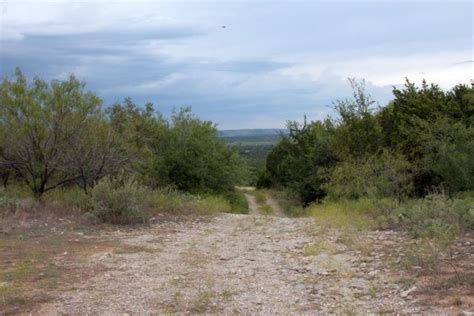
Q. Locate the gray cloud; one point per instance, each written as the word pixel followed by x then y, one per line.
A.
pixel 273 62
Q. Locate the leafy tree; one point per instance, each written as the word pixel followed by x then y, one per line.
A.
pixel 421 140
pixel 39 124
pixel 182 151
pixel 97 152
pixel 450 155
pixel 301 160
pixel 387 174
pixel 420 123
pixel 356 131
pixel 192 157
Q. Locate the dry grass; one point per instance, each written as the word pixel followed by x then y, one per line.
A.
pixel 35 263
pixel 318 247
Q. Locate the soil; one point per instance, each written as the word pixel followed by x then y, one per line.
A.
pixel 249 264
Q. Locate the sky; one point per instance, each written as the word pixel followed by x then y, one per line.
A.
pixel 273 61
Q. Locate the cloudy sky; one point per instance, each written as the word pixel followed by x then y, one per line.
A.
pixel 273 61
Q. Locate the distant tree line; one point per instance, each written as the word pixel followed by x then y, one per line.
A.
pixel 58 134
pixel 423 140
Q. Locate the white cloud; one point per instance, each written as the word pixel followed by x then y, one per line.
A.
pixel 443 68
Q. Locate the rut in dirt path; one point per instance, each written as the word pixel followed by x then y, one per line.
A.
pixel 232 264
pixel 252 203
pixel 254 207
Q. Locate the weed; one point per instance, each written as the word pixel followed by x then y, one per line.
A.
pixel 316 248
pixel 260 197
pixel 238 202
pixel 118 202
pixel 373 292
pixel 435 216
pixel 425 254
pixel 265 209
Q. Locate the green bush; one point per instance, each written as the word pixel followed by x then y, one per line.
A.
pixel 363 213
pixel 238 202
pixel 172 201
pixel 118 202
pixel 436 216
pixel 382 175
pixel 212 204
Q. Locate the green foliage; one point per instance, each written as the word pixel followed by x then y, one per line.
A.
pixel 45 133
pixel 212 204
pixel 301 160
pixel 118 202
pixel 193 158
pixel 183 151
pixel 170 200
pixel 238 202
pixel 7 201
pixel 450 155
pixel 377 176
pixel 260 197
pixel 363 213
pixel 355 132
pixel 70 196
pixel 422 140
pixel 56 135
pixel 436 216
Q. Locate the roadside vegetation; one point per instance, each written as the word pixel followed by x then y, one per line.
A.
pixel 67 162
pixel 116 164
pixel 407 165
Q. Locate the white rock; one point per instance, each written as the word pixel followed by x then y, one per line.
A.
pixel 405 294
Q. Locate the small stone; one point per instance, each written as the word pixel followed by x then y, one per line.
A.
pixel 405 294
pixel 372 273
pixel 300 286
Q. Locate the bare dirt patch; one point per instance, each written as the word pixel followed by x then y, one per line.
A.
pixel 223 264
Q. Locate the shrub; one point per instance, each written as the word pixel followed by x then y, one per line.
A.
pixel 238 202
pixel 260 197
pixel 6 201
pixel 382 175
pixel 173 201
pixel 212 204
pixel 118 202
pixel 360 214
pixel 436 216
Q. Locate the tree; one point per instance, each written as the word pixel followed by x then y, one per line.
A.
pixel 193 158
pixel 40 124
pixel 301 160
pixel 98 152
pixel 356 131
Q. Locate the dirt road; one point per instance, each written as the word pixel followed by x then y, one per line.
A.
pixel 233 264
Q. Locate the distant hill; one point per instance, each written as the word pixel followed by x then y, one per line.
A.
pixel 251 132
pixel 252 137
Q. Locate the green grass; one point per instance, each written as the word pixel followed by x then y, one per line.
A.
pixel 265 209
pixel 175 202
pixel 260 197
pixel 238 202
pixel 73 196
pixel 359 214
pixel 315 248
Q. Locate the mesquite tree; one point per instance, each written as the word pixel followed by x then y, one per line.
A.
pixel 41 125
